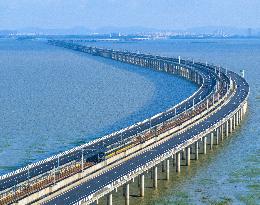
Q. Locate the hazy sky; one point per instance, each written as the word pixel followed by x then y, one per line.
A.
pixel 162 14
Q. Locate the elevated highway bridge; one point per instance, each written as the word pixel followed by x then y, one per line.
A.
pixel 86 173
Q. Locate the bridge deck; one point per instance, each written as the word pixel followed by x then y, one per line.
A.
pixel 208 77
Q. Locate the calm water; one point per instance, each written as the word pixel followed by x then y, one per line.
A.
pixel 53 99
pixel 231 173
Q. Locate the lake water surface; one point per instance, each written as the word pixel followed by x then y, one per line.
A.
pixel 53 99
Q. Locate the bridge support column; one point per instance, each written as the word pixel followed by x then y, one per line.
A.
pixel 196 150
pixel 142 185
pixel 126 194
pixel 238 118
pixel 230 125
pixel 109 199
pixel 217 135
pixel 211 140
pixel 183 154
pixel 163 168
pixel 167 169
pixel 222 132
pixel 187 151
pixel 227 128
pixel 173 159
pixel 234 121
pixel 178 162
pixel 204 145
pixel 155 170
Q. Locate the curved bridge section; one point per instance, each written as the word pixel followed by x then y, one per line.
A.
pixel 101 166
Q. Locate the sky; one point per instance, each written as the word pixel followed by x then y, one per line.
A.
pixel 160 14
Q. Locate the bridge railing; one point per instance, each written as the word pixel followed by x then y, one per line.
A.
pixel 157 160
pixel 89 143
pixel 100 139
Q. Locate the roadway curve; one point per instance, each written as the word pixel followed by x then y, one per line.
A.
pixel 103 180
pixel 99 182
pixel 21 176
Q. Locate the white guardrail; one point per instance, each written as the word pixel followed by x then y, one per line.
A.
pixel 157 160
pixel 94 141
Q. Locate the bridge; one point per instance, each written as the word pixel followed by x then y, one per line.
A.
pixel 93 170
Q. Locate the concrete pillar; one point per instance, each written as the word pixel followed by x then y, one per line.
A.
pixel 167 169
pixel 222 132
pixel 126 194
pixel 178 162
pixel 211 140
pixel 187 156
pixel 163 167
pixel 109 199
pixel 173 159
pixel 183 154
pixel 204 145
pixel 217 135
pixel 231 125
pixel 237 122
pixel 142 185
pixel 227 128
pixel 234 121
pixel 196 150
pixel 151 173
pixel 155 176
